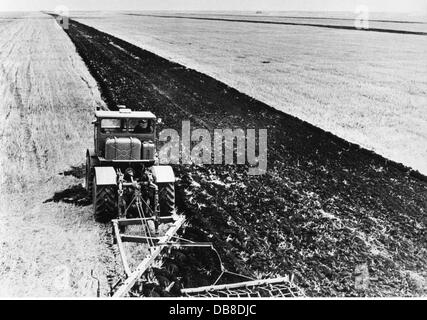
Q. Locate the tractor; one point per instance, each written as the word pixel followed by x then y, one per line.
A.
pixel 123 178
pixel 128 187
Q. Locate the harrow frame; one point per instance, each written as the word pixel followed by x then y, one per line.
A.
pixel 133 276
pixel 277 287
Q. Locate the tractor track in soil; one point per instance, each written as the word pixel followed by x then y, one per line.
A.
pixel 325 206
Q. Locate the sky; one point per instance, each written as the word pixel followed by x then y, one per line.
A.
pixel 419 6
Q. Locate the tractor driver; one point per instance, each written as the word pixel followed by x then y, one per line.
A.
pixel 142 127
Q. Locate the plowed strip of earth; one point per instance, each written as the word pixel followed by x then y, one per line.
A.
pixel 325 208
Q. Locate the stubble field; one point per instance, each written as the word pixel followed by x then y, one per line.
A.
pixel 46 101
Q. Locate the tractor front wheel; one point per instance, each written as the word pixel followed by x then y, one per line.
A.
pixel 104 202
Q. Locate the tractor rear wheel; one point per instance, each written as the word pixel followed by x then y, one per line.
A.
pixel 91 163
pixel 89 176
pixel 104 202
pixel 167 199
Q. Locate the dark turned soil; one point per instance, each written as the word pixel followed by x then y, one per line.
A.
pixel 325 206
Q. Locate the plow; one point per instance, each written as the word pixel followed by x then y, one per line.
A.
pixel 129 188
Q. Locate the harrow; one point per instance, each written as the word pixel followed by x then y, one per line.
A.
pixel 277 287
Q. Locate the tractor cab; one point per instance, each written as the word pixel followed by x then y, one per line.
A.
pixel 125 135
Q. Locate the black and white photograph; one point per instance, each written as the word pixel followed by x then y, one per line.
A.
pixel 189 150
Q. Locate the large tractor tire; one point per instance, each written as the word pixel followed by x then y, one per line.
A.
pixel 104 202
pixel 167 199
pixel 90 172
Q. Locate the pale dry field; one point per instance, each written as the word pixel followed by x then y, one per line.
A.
pixel 47 98
pixel 367 87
